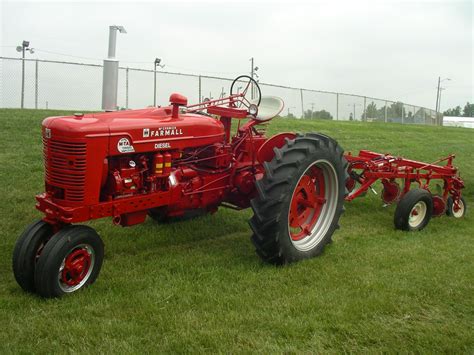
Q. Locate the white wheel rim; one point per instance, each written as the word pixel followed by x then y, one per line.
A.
pixel 460 212
pixel 417 214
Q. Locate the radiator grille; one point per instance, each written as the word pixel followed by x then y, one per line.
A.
pixel 65 167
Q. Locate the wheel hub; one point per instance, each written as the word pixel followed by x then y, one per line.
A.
pixel 417 214
pixel 307 201
pixel 76 268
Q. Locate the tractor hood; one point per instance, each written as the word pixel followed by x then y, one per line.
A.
pixel 137 130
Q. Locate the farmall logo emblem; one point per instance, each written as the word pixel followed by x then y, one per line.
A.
pixel 162 132
pixel 47 133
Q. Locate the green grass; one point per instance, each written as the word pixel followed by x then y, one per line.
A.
pixel 198 286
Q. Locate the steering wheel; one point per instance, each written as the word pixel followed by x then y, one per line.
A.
pixel 251 93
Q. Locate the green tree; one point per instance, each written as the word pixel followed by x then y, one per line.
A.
pixel 453 111
pixel 468 110
pixel 308 114
pixel 322 115
pixel 371 111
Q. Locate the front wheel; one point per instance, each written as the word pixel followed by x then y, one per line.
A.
pixel 70 261
pixel 300 199
pixel 27 251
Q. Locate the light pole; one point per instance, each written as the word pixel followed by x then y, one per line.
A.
pixel 252 74
pixel 354 110
pixel 110 72
pixel 288 115
pixel 157 64
pixel 25 46
pixel 222 93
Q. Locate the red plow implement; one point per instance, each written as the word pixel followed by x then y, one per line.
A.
pixel 397 175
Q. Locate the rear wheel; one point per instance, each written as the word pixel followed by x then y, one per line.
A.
pixel 300 199
pixel 456 210
pixel 70 261
pixel 27 250
pixel 414 210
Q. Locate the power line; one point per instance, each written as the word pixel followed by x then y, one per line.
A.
pixel 134 62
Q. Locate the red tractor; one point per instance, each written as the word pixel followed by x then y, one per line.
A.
pixel 167 162
pixel 181 160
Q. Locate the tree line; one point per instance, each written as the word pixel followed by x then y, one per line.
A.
pixel 467 111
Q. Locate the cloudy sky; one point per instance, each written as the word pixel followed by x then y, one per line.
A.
pixel 388 49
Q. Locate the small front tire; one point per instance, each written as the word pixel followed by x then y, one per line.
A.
pixel 70 261
pixel 27 250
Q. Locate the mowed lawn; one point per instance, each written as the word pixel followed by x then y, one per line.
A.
pixel 198 286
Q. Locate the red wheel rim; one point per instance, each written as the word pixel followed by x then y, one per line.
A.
pixel 76 268
pixel 306 203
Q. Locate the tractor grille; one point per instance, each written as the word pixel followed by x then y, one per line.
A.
pixel 65 167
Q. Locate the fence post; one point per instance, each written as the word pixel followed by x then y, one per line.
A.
pixel 385 120
pixel 199 97
pixel 36 84
pixel 403 121
pixel 302 103
pixel 365 109
pixel 337 106
pixel 126 88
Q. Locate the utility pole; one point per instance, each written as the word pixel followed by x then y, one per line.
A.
pixel 437 94
pixel 439 101
pixel 23 48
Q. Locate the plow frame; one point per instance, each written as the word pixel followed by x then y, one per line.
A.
pixel 368 167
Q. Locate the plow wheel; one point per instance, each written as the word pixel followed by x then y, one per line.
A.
pixel 414 210
pixel 27 251
pixel 391 191
pixel 456 210
pixel 300 199
pixel 439 206
pixel 70 261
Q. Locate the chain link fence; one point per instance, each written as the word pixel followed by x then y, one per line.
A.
pixel 78 86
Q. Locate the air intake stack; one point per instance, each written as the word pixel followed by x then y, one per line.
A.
pixel 110 76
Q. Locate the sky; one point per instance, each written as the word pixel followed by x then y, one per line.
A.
pixel 388 49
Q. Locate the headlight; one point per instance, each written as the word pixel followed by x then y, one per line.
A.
pixel 253 110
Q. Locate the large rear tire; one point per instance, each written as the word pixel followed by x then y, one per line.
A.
pixel 300 199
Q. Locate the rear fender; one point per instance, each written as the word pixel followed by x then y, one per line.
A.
pixel 266 153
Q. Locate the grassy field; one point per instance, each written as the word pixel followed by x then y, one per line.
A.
pixel 198 286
